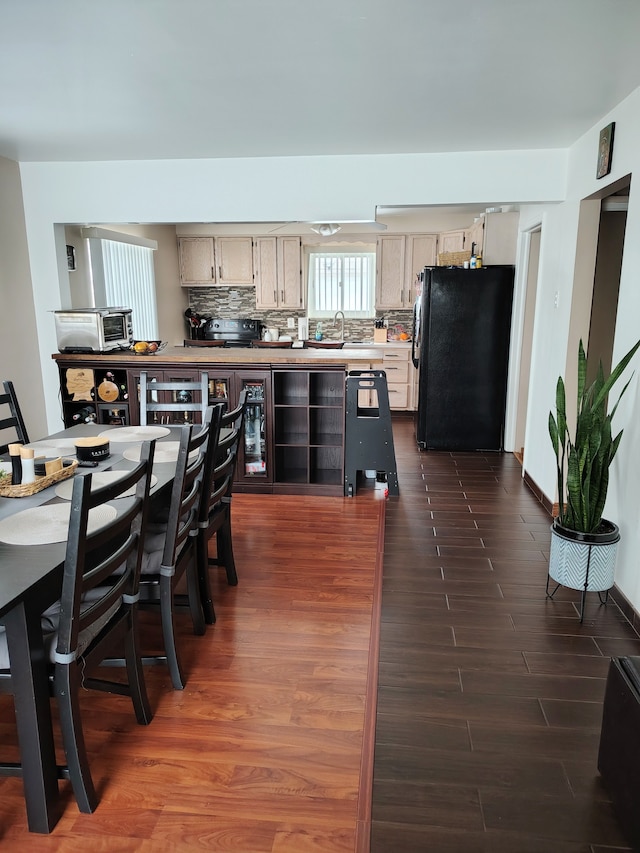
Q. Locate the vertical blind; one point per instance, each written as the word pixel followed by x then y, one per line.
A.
pixel 129 282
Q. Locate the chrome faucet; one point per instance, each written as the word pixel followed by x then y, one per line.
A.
pixel 335 320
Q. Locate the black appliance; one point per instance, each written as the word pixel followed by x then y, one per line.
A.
pixel 235 333
pixel 462 326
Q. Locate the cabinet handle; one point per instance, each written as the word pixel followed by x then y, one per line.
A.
pixel 275 296
pixel 282 295
pixel 220 272
pixel 213 274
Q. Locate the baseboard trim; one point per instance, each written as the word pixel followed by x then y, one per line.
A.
pixel 626 608
pixel 533 487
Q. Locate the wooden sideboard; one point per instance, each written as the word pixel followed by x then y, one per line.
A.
pixel 294 433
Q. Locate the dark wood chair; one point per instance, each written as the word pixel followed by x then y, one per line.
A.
pixel 171 542
pixel 11 417
pixel 215 507
pixel 97 614
pixel 189 397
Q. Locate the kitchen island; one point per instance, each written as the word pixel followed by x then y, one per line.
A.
pixel 295 417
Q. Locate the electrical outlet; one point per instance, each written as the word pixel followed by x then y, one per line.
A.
pixel 291 323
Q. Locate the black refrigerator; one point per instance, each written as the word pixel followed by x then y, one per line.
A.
pixel 462 326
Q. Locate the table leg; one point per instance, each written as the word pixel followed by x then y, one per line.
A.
pixel 33 716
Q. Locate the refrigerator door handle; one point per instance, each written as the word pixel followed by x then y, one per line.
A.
pixel 415 336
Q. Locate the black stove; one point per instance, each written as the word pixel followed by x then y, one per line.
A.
pixel 235 333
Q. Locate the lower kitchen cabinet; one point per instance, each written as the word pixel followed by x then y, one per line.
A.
pixel 92 395
pixel 254 466
pixel 294 421
pixel 308 409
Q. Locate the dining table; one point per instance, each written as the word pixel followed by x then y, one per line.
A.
pixel 31 572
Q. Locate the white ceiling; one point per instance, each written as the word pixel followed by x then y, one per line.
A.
pixel 149 79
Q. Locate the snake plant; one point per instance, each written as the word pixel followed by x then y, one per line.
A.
pixel 586 458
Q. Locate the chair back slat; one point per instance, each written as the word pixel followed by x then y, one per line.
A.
pixel 11 417
pixel 92 557
pixel 152 395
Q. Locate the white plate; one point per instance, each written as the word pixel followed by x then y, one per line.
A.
pixel 54 447
pixel 135 433
pixel 166 451
pixel 43 525
pixel 99 479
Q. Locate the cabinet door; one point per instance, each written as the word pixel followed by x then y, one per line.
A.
pixel 197 261
pixel 475 234
pixel 390 269
pixel 451 241
pixel 254 454
pixel 290 290
pixel 234 259
pixel 266 271
pixel 421 251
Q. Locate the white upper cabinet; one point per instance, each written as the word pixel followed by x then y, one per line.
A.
pixel 278 272
pixel 197 261
pixel 234 259
pixel 400 259
pixel 421 252
pixel 390 272
pixel 499 238
pixel 451 241
pixel 207 261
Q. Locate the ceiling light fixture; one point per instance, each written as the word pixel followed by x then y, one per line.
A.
pixel 326 229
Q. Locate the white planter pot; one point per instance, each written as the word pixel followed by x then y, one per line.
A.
pixel 584 561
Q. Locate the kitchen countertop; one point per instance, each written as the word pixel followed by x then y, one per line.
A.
pixel 234 355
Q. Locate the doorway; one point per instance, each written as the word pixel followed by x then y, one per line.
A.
pixel 606 281
pixel 532 255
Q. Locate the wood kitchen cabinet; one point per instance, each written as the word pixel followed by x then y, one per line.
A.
pixel 196 258
pixel 452 241
pixel 399 259
pixel 254 466
pixel 98 395
pixel 278 272
pixel 162 375
pixel 293 440
pixel 496 237
pixel 207 261
pixel 421 252
pixel 390 272
pixel 308 411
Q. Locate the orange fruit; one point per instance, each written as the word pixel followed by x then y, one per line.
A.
pixel 141 346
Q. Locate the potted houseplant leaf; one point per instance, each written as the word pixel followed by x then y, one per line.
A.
pixel 583 543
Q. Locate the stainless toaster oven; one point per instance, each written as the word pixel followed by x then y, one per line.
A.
pixel 93 329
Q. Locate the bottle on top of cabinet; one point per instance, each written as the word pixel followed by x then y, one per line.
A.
pixel 474 260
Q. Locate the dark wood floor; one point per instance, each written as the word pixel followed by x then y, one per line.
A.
pixel 490 695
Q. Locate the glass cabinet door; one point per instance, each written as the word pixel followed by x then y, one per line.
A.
pixel 253 461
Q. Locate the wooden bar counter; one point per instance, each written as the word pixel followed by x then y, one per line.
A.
pixel 294 426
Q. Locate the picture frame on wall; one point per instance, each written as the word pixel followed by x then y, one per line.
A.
pixel 71 258
pixel 605 150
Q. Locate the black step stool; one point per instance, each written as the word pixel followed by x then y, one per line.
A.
pixel 368 432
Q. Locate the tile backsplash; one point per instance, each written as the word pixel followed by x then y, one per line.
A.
pixel 241 302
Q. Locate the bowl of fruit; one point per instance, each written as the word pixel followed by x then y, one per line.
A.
pixel 147 347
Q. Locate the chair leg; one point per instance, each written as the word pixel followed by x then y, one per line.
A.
pixel 168 632
pixel 135 672
pixel 67 686
pixel 193 594
pixel 206 596
pixel 225 552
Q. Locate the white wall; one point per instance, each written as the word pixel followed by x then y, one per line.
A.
pixel 552 328
pixel 19 360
